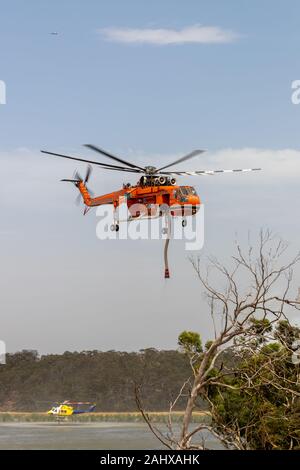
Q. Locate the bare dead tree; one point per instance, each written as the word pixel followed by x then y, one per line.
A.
pixel 257 288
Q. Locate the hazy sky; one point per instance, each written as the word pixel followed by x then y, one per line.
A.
pixel 149 81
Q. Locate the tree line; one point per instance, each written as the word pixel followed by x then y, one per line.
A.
pixel 29 382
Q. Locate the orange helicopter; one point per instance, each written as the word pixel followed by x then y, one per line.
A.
pixel 155 193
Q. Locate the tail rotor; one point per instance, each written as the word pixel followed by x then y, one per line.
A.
pixel 77 179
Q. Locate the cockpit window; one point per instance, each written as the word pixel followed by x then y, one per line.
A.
pixel 187 190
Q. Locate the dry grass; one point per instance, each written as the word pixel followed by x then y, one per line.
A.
pixel 129 417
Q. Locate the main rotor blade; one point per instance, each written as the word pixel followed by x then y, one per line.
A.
pixel 113 157
pixel 88 173
pixel 128 170
pixel 70 181
pixel 207 172
pixel 183 159
pixel 103 165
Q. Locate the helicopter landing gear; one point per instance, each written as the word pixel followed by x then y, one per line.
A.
pixel 164 209
pixel 115 225
pixel 184 222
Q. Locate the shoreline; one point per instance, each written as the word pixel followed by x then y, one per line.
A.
pixel 130 417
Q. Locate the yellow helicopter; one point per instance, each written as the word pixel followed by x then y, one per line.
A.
pixel 69 408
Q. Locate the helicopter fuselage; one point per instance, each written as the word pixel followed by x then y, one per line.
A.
pixel 150 200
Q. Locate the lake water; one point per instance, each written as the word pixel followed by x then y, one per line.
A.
pixel 100 436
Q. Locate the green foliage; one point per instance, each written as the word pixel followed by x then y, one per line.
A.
pixel 287 333
pixel 190 342
pixel 260 327
pixel 267 413
pixel 32 383
pixel 208 344
pixel 271 348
